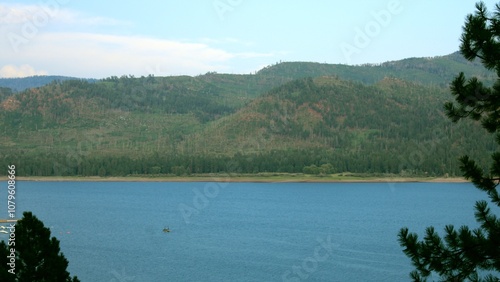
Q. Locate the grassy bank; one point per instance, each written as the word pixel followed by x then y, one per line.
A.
pixel 261 177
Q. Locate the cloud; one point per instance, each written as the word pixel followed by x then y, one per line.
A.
pixel 100 21
pixel 249 55
pixel 227 40
pixel 103 55
pixel 51 11
pixel 65 51
pixel 21 71
pixel 16 14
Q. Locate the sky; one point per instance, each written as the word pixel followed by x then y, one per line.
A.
pixel 98 39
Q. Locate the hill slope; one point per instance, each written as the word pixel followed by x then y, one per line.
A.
pixel 388 127
pixel 360 119
pixel 437 71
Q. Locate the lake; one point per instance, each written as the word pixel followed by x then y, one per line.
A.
pixel 113 231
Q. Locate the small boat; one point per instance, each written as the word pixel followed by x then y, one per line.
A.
pixel 166 229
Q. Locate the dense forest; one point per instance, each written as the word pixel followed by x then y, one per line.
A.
pixel 291 117
pixel 5 92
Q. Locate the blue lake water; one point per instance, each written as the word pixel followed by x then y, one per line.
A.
pixel 112 231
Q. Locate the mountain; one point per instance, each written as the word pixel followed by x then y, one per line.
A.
pixel 20 84
pixel 388 127
pixel 436 70
pixel 290 117
pixel 428 71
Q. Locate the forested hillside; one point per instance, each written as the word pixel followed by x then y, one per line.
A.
pixel 387 127
pixel 5 93
pixel 291 117
pixel 428 71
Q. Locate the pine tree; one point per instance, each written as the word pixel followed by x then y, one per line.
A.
pixel 38 256
pixel 466 254
pixel 5 275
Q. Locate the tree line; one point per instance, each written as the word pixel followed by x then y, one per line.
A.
pixel 309 161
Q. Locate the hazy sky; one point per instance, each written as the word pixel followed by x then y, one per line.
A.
pixel 101 38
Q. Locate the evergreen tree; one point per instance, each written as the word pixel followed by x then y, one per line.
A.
pixel 38 257
pixel 5 276
pixel 469 254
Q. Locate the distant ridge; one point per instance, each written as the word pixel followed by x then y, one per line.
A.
pixel 438 71
pixel 23 83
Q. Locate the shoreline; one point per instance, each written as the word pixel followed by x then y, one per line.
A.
pixel 244 178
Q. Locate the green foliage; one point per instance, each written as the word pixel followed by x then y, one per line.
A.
pixel 466 254
pixel 428 71
pixel 38 256
pixel 5 93
pixel 323 169
pixel 311 169
pixel 5 276
pixel 361 127
pixel 124 125
pixel 365 125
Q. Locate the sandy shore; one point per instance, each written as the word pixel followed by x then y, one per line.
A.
pixel 245 178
